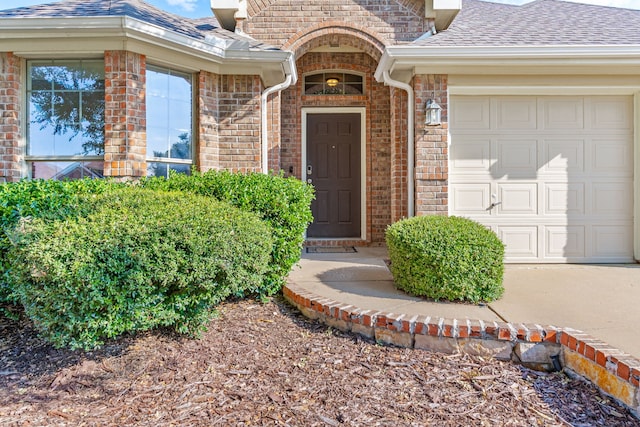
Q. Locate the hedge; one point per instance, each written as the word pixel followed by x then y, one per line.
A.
pixel 133 260
pixel 448 258
pixel 46 199
pixel 284 203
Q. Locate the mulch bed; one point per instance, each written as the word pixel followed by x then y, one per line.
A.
pixel 265 364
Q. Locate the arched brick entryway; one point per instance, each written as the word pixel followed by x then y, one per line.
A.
pixel 336 46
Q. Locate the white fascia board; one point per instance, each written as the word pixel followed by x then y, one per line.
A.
pixel 509 59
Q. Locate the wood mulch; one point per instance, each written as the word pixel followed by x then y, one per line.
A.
pixel 265 364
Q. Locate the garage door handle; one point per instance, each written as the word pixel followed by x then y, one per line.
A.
pixel 493 205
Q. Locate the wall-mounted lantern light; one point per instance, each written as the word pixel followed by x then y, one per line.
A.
pixel 434 113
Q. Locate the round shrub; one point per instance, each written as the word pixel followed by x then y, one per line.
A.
pixel 134 260
pixel 448 258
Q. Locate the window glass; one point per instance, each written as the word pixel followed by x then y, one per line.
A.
pixel 162 169
pixel 66 108
pixel 333 83
pixel 169 121
pixel 67 170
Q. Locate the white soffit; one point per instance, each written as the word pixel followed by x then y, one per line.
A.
pixel 443 12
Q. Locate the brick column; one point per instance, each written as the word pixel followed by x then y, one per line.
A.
pixel 399 136
pixel 125 115
pixel 431 167
pixel 208 115
pixel 11 151
pixel 274 130
pixel 239 123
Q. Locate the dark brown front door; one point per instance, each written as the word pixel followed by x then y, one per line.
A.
pixel 333 166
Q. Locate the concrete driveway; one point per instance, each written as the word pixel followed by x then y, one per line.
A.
pixel 602 300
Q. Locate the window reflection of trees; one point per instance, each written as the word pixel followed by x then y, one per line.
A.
pixel 67 99
pixel 179 150
pixel 169 121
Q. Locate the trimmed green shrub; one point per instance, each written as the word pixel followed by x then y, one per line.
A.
pixel 47 199
pixel 133 260
pixel 284 203
pixel 449 258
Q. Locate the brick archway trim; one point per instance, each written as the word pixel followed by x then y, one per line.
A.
pixel 311 38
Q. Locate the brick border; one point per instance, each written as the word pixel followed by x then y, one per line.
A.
pixel 614 372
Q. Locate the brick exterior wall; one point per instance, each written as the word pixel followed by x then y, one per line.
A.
pixel 11 151
pixel 125 115
pixel 208 154
pixel 277 21
pixel 431 164
pixel 228 120
pixel 239 123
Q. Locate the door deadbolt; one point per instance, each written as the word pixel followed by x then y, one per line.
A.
pixel 309 170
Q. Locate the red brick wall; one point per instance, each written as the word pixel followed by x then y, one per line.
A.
pixel 239 123
pixel 11 152
pixel 277 21
pixel 125 114
pixel 208 154
pixel 432 173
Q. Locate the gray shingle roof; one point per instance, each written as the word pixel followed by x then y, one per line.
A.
pixel 539 23
pixel 138 9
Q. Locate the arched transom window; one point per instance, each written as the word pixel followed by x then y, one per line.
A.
pixel 333 83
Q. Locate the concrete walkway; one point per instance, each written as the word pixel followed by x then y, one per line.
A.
pixel 601 300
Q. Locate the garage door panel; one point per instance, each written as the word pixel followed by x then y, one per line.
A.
pixel 564 199
pixel 612 241
pixel 563 188
pixel 516 113
pixel 611 198
pixel 563 156
pixel 561 113
pixel 565 241
pixel 611 113
pixel 470 198
pixel 520 241
pixel 517 198
pixel 471 113
pixel 612 155
pixel 471 155
pixel 517 157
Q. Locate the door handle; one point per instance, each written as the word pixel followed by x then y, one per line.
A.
pixel 494 203
pixel 309 170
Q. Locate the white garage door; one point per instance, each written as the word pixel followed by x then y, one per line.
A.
pixel 552 176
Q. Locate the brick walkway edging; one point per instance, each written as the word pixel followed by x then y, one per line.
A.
pixel 616 373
